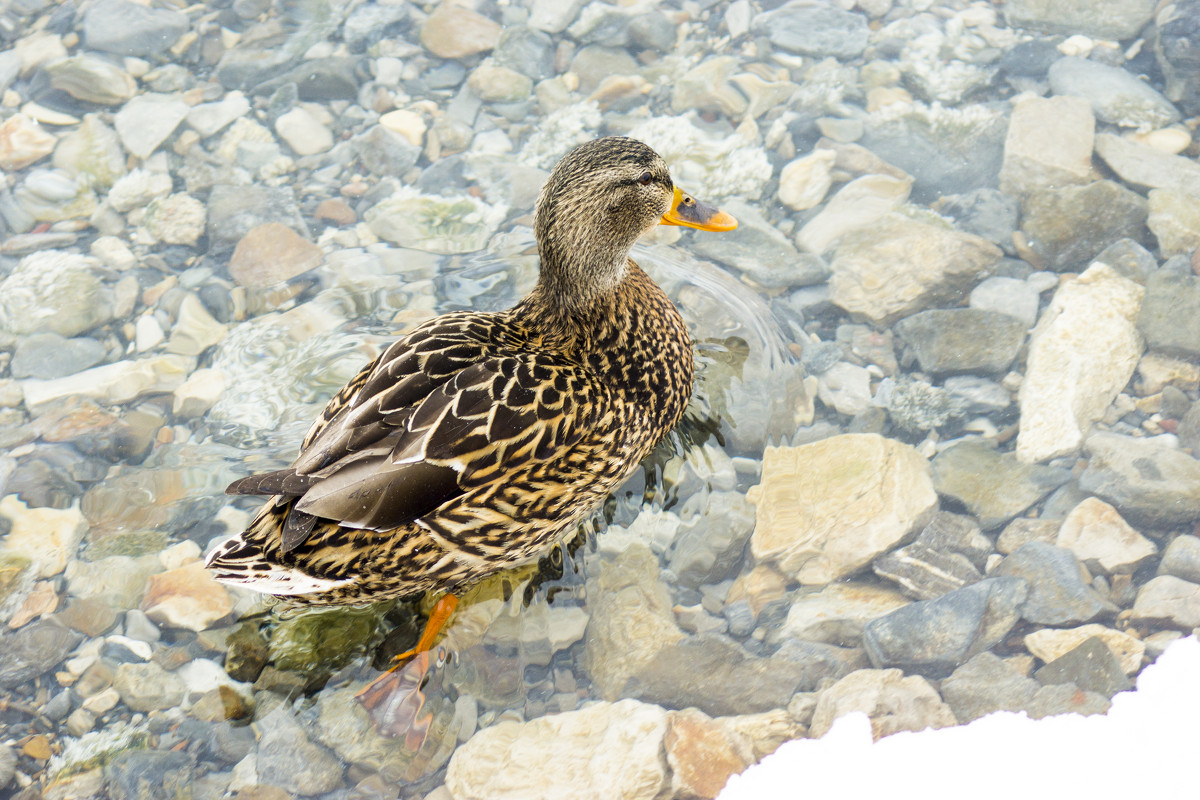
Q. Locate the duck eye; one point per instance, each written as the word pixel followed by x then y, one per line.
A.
pixel 645 179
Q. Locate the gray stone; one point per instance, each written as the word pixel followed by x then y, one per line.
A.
pixel 131 29
pixel 1066 228
pixel 1170 314
pixel 814 30
pixel 1182 559
pixel 234 210
pixel 54 292
pixel 1151 484
pixel 1049 144
pixel 594 63
pixel 385 153
pixel 994 486
pixel 150 775
pixel 925 573
pixel 526 50
pixel 8 765
pixel 1015 298
pixel 1174 220
pixel 147 120
pixel 369 23
pixel 1148 167
pixel 954 533
pixel 984 212
pixel 1116 95
pixel 708 547
pixel 287 759
pixel 1170 602
pixel 48 355
pixel 915 405
pixel 30 651
pixel 93 79
pixel 1129 259
pixel 985 684
pixel 1103 19
pixel 933 637
pixel 954 340
pixel 1057 592
pixel 983 396
pixel 1066 698
pixel 761 252
pixel 821 660
pixel 1091 666
pixel 148 687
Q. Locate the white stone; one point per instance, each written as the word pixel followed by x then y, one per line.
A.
pixel 408 124
pixel 1050 643
pixel 176 219
pixel 1170 600
pixel 804 182
pixel 606 750
pixel 1049 144
pixel 137 188
pixel 846 388
pixel 113 383
pixel 837 613
pixel 53 291
pixel 200 392
pixel 303 132
pixel 148 334
pixel 826 509
pixel 1081 354
pixel 892 702
pixel 1009 296
pixel 861 202
pixel 195 330
pixel 209 118
pixel 48 537
pixel 1100 537
pixel 113 252
pixel 147 120
pixel 553 16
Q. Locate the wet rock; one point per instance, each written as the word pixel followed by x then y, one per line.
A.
pixel 1100 538
pixel 1129 259
pixel 119 580
pixel 137 188
pixel 604 750
pixel 89 616
pixel 1150 484
pixel 150 774
pixel 762 253
pixel 207 119
pixel 1057 592
pixel 322 640
pixel 804 182
pixel 914 405
pixel 1016 298
pixel 1175 221
pixel 820 661
pixel 1182 559
pixel 131 29
pixel 1081 354
pixel 1091 666
pixel 493 83
pixel 175 219
pixel 148 687
pixel 287 759
pixel 838 613
pixel 708 547
pixel 864 494
pixel 92 79
pixel 303 132
pixel 33 650
pixel 1168 601
pixel 1109 19
pixel 271 253
pixel 1049 144
pixel 48 537
pixel 186 597
pixel 924 265
pixel 47 355
pixel 925 573
pixel 8 765
pixel 1066 698
pixel 994 486
pixel 112 383
pixel 1116 96
pixel 23 142
pixel 893 702
pixel 233 211
pixel 247 653
pixel 147 120
pixel 984 212
pixel 1148 167
pixel 53 292
pixel 455 32
pixel 455 224
pixel 1066 228
pixel 527 50
pixel 701 754
pixel 814 30
pixel 1170 314
pixel 954 340
pixel 1050 643
pixel 954 533
pixel 846 388
pixel 858 205
pixel 985 684
pixel 935 636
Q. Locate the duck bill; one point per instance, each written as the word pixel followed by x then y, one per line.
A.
pixel 689 212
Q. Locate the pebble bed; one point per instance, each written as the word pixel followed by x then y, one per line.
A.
pixel 942 458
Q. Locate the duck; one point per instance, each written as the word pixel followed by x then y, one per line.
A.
pixel 479 440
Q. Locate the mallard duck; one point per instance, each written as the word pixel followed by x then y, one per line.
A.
pixel 478 440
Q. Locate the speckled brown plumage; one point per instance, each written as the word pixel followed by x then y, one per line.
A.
pixel 478 440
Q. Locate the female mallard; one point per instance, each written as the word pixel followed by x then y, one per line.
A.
pixel 479 440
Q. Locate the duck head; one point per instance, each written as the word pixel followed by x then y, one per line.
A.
pixel 598 201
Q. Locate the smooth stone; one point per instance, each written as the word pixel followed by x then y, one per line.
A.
pixel 208 119
pixel 1117 96
pixel 93 150
pixel 405 123
pixel 46 356
pixel 137 188
pixel 984 212
pixel 994 486
pixel 195 329
pixel 289 760
pixel 175 219
pixel 494 83
pixel 933 637
pixel 1129 259
pixel 893 703
pixel 956 340
pixel 709 547
pixel 148 687
pixel 23 142
pixel 821 661
pixel 863 495
pixel 92 79
pixel 1174 220
pixel 707 87
pixel 985 684
pixel 528 51
pixel 200 392
pixel 453 31
pixel 899 267
pixel 438 224
pixel 1049 144
pixel 271 253
pixel 859 204
pixel 553 16
pixel 1150 484
pixel 1182 559
pixel 846 388
pixel 150 774
pixel 1100 538
pixel 1168 601
pixel 147 120
pixel 186 597
pixel 1016 298
pixel 53 292
pixel 762 253
pixel 1051 643
pixel 1057 592
pixel 1091 666
pixel 817 31
pixel 303 132
pixel 1081 355
pixel 1147 167
pixel 1170 314
pixel 132 29
pixel 48 537
pixel 1106 19
pixel 923 572
pixel 604 750
pixel 33 650
pixel 112 383
pixel 804 182
pixel 233 211
pixel 836 614
pixel 1066 228
pixel 118 580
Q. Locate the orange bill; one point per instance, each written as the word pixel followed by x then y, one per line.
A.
pixel 689 212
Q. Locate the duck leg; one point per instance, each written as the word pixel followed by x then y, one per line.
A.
pixel 394 698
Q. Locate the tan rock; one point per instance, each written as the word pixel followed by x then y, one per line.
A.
pixel 23 142
pixel 270 253
pixel 48 537
pixel 825 509
pixel 113 383
pixel 1100 537
pixel 804 182
pixel 837 613
pixel 700 754
pixel 893 703
pixel 1050 643
pixel 408 124
pixel 195 330
pixel 1081 354
pixel 186 597
pixel 452 31
pixel 1157 371
pixel 1175 221
pixel 859 204
pixel 1049 144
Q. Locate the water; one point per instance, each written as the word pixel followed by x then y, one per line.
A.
pixel 883 163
